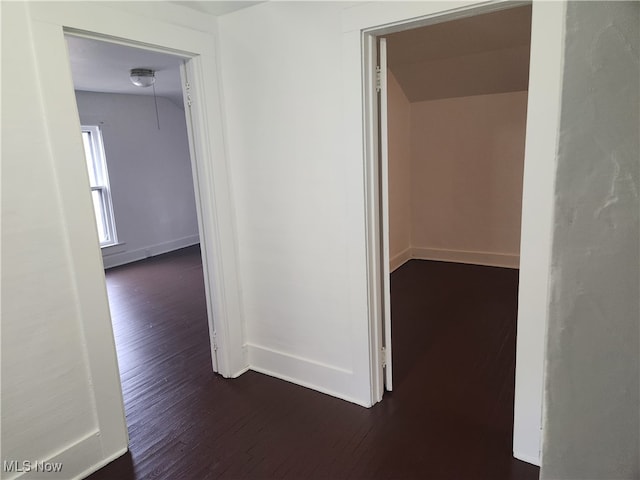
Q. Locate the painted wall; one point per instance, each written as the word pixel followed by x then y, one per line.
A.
pixel 592 404
pixel 400 172
pixel 295 143
pixel 295 139
pixel 47 398
pixel 61 396
pixel 149 173
pixel 467 160
pixel 296 212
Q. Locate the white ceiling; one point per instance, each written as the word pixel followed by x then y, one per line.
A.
pixel 470 56
pixel 99 66
pixel 216 8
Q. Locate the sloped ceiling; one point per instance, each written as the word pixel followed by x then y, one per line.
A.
pixel 477 55
pixel 471 56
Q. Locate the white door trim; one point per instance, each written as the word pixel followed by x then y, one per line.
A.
pixel 383 165
pixel 378 288
pixel 539 180
pixel 49 22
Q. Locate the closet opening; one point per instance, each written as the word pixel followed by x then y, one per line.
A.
pixel 451 108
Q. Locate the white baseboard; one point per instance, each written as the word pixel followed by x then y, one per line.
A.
pixel 323 378
pixel 78 460
pixel 461 256
pixel 527 458
pixel 400 259
pixel 124 257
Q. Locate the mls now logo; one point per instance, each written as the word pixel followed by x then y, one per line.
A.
pixel 25 466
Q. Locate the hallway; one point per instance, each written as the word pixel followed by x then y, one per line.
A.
pixel 449 417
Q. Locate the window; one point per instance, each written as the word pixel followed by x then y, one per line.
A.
pixel 99 181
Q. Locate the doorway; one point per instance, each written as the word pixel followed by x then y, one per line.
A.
pixel 137 145
pixel 158 31
pixel 143 188
pixel 450 171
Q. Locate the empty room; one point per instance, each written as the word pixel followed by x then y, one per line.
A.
pixel 456 118
pixel 138 160
pixel 282 99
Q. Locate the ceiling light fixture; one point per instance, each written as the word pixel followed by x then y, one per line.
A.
pixel 145 77
pixel 142 77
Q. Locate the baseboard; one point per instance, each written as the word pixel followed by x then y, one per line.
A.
pixel 461 256
pixel 122 258
pixel 317 376
pixel 400 259
pixel 78 460
pixel 240 372
pixel 102 463
pixel 527 458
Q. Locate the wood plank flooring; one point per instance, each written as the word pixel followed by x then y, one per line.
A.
pixel 449 417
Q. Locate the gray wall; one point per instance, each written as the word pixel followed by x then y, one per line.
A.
pixel 591 413
pixel 149 171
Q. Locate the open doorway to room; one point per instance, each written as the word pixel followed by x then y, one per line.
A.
pixel 143 188
pixel 453 110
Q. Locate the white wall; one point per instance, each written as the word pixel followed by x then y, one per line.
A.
pixel 42 313
pixel 592 391
pixel 292 74
pixel 467 160
pixel 48 397
pixel 455 177
pixel 61 396
pixel 281 65
pixel 149 173
pixel 293 79
pixel 400 173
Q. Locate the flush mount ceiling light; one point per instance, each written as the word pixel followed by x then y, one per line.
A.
pixel 145 77
pixel 142 77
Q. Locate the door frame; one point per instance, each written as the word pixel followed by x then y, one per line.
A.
pixel 50 22
pixel 187 72
pixel 543 114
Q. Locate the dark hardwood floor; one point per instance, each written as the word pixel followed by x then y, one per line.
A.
pixel 449 417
